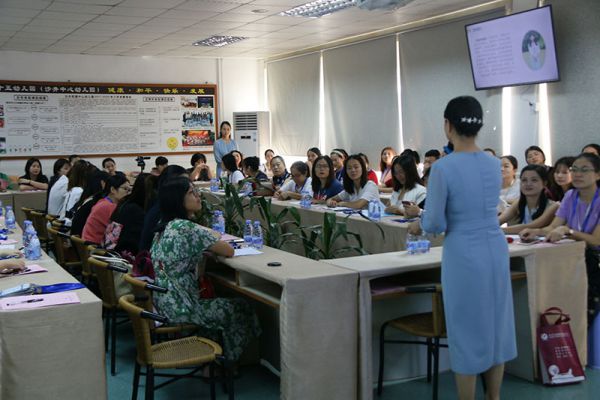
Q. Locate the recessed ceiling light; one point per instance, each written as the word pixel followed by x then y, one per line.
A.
pixel 218 41
pixel 318 8
pixel 259 11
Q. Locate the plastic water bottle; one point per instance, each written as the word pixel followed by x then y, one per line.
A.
pixel 34 249
pixel 306 199
pixel 221 222
pixel 248 233
pixel 28 232
pixel 10 218
pixel 1 209
pixel 423 244
pixel 214 185
pixel 257 236
pixel 374 210
pixel 411 244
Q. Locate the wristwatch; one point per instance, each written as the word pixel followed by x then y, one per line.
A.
pixel 570 233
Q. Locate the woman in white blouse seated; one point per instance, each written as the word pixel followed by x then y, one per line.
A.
pixel 58 188
pixel 77 179
pixel 358 189
pixel 511 187
pixel 234 175
pixel 300 182
pixel 409 194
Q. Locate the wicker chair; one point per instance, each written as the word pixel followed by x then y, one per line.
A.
pixel 142 292
pixel 430 325
pixel 27 211
pixel 190 352
pixel 110 302
pixel 39 222
pixel 84 249
pixel 60 240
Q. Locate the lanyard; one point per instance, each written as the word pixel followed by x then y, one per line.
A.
pixel 109 199
pixel 302 188
pixel 588 211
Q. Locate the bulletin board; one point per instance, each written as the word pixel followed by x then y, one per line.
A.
pixel 60 118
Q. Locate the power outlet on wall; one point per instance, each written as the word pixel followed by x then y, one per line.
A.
pixel 535 106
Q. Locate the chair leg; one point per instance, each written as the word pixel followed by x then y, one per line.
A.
pixel 211 374
pixel 229 376
pixel 106 329
pixel 429 354
pixel 136 381
pixel 381 357
pixel 113 341
pixel 436 366
pixel 149 383
pixel 482 376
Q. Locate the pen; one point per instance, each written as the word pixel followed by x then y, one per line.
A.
pixel 26 301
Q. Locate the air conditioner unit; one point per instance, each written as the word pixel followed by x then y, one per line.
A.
pixel 252 132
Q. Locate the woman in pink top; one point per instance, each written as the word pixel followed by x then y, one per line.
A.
pixel 117 187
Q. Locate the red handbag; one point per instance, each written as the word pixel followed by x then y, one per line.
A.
pixel 559 360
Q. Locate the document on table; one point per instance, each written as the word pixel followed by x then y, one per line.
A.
pixel 29 269
pixel 246 251
pixel 7 246
pixel 38 301
pixel 8 241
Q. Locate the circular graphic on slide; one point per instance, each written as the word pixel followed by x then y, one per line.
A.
pixel 534 50
pixel 172 143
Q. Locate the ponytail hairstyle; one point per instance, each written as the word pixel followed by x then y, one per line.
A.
pixel 542 200
pixel 465 114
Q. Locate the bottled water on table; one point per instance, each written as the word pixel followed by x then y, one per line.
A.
pixel 257 236
pixel 374 210
pixel 412 243
pixel 247 188
pixel 306 199
pixel 10 218
pixel 248 237
pixel 218 222
pixel 1 209
pixel 34 250
pixel 28 232
pixel 214 185
pixel 423 243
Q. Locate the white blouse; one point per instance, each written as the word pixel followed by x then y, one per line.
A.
pixel 57 195
pixel 236 177
pixel 368 192
pixel 415 195
pixel 290 186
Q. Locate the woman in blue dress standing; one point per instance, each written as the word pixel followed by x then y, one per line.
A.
pixel 225 144
pixel 462 196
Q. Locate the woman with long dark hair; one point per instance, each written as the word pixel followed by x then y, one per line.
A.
pixel 358 189
pixel 534 209
pixel 224 145
pixel 57 188
pixel 324 184
pixel 34 178
pixel 409 194
pixel 177 250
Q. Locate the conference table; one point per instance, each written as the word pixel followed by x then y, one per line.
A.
pixel 54 352
pixel 35 199
pixel 386 235
pixel 312 319
pixel 555 277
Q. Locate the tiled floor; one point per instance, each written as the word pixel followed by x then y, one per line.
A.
pixel 257 383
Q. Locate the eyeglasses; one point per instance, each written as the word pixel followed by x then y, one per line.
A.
pixel 583 170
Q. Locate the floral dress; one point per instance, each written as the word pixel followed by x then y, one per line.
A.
pixel 176 253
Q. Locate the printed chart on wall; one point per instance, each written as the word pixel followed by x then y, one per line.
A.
pixel 57 118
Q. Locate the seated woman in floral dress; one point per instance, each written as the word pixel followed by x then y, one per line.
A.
pixel 177 251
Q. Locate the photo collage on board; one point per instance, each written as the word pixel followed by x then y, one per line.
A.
pixel 198 121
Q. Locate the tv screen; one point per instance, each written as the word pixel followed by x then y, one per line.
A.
pixel 514 50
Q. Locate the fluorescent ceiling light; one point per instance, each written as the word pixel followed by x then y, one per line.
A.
pixel 218 41
pixel 318 8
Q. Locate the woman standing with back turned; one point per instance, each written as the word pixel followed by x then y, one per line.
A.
pixel 461 201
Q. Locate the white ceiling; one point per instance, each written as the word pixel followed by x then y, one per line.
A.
pixel 169 27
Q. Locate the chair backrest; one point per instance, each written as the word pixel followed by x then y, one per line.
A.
pixel 141 329
pixel 27 211
pixel 105 281
pixel 39 222
pixel 59 249
pixel 437 307
pixel 142 296
pixel 83 249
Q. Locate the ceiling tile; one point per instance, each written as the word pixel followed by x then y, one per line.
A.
pixel 263 27
pixel 187 14
pixel 32 4
pixel 152 3
pixel 77 8
pixel 217 25
pixel 172 22
pixel 42 29
pixel 248 8
pixel 35 35
pixel 18 12
pixel 56 23
pixel 279 3
pixel 120 19
pixel 10 28
pixel 103 2
pixel 108 27
pixel 5 19
pixel 242 33
pixel 233 17
pixel 135 11
pixel 280 20
pixel 66 16
pixel 206 5
pixel 95 33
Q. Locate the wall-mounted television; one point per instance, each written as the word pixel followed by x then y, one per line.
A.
pixel 517 49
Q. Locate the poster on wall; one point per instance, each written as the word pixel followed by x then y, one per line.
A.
pixel 59 118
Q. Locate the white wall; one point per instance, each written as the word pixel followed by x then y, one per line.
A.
pixel 240 84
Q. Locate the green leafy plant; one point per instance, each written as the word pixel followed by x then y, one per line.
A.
pixel 319 241
pixel 278 231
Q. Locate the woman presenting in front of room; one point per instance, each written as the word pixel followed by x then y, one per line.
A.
pixel 223 146
pixel 461 201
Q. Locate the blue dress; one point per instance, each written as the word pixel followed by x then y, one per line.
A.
pixel 462 195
